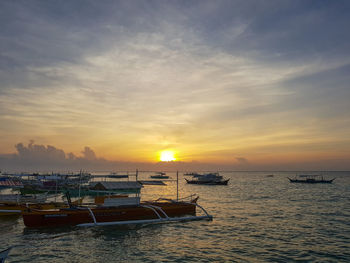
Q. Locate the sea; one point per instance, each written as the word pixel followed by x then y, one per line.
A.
pixel 257 217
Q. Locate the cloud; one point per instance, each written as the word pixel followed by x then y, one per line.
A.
pixel 127 77
pixel 89 154
pixel 40 158
pixel 49 158
pixel 34 152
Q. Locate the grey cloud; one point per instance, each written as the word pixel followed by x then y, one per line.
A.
pixel 89 154
pixel 39 152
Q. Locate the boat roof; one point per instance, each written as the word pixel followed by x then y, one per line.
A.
pixel 117 185
pixel 152 182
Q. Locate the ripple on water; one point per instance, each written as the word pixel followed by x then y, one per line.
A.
pixel 256 219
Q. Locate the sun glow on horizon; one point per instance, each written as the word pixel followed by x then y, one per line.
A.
pixel 167 156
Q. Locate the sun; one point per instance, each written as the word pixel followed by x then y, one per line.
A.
pixel 167 156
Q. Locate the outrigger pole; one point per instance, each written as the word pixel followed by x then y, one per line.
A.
pixel 160 219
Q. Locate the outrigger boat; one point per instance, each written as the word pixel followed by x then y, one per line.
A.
pixel 310 179
pixel 116 211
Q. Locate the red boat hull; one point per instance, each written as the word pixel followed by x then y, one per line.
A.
pixel 72 217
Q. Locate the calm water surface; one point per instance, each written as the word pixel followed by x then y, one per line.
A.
pixel 256 219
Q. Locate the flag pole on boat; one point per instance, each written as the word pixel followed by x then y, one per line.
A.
pixel 177 186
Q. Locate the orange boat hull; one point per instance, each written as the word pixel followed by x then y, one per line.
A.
pixel 72 217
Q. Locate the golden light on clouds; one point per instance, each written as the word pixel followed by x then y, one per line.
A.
pixel 176 83
pixel 167 156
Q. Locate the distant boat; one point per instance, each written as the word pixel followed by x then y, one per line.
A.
pixel 118 176
pixel 3 254
pixel 269 175
pixel 151 182
pixel 310 179
pixel 208 179
pixel 160 175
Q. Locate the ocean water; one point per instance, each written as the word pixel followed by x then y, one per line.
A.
pixel 256 219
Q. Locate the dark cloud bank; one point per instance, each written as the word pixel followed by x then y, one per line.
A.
pixel 41 158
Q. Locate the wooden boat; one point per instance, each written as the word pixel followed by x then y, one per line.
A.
pixel 3 254
pixel 208 179
pixel 310 179
pixel 160 175
pixel 12 209
pixel 124 212
pixel 18 198
pixel 116 211
pixel 92 189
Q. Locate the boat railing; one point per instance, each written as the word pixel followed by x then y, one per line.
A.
pixel 190 197
pixel 149 221
pixel 159 208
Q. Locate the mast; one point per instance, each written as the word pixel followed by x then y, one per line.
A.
pixel 177 185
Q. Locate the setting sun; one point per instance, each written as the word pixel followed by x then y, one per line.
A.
pixel 167 156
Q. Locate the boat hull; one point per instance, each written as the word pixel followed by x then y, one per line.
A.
pixel 159 176
pixel 73 217
pixel 225 182
pixel 14 209
pixel 310 181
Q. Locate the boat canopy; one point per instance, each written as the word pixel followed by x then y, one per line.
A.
pixel 115 185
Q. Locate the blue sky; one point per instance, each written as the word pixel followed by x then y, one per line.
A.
pixel 216 81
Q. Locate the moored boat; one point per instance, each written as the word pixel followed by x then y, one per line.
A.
pixel 159 175
pixel 116 211
pixel 310 179
pixel 208 179
pixel 18 198
pixel 103 215
pixel 13 208
pixel 7 209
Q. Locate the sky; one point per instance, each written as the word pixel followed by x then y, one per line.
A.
pixel 245 85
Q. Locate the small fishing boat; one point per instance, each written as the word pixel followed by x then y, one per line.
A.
pixel 160 175
pixel 208 179
pixel 18 198
pixel 3 254
pixel 310 179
